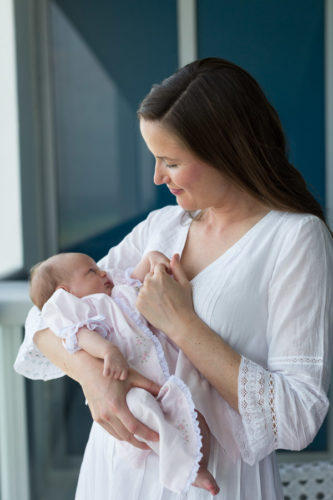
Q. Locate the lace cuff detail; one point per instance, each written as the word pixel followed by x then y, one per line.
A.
pixel 132 281
pixel 120 277
pixel 68 333
pixel 283 408
pixel 258 433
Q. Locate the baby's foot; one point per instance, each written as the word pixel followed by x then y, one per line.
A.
pixel 206 481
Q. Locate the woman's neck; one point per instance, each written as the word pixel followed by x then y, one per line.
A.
pixel 245 210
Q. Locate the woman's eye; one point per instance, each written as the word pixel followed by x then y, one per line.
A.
pixel 172 165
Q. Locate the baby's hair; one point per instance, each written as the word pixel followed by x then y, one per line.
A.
pixel 45 277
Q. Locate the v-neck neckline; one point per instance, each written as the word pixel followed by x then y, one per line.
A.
pixel 230 251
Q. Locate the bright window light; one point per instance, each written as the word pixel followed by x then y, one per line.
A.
pixel 11 254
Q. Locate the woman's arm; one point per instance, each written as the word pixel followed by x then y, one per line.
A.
pixel 106 397
pixel 167 304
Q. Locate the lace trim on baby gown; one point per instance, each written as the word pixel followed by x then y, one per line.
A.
pixel 30 362
pixel 140 322
pixel 196 427
pixel 68 333
pixel 120 277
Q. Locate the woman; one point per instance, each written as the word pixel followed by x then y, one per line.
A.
pixel 251 299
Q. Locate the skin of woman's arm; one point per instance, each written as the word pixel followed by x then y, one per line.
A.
pixel 167 304
pixel 106 396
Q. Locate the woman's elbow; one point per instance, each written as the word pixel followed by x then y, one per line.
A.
pixel 301 427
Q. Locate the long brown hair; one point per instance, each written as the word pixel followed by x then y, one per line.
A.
pixel 221 114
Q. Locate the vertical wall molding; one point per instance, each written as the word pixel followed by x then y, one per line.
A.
pixel 14 464
pixel 35 109
pixel 329 108
pixel 187 31
pixel 46 124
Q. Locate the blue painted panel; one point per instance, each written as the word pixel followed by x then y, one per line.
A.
pixel 105 57
pixel 282 45
pixel 135 42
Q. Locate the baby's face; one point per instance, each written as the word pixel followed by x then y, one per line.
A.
pixel 86 277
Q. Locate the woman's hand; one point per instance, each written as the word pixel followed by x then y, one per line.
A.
pixel 166 301
pixel 106 398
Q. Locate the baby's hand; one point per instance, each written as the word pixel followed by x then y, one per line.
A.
pixel 148 263
pixel 155 258
pixel 115 365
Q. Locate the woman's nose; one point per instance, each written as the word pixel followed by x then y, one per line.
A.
pixel 160 174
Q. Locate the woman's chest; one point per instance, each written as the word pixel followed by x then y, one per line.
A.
pixel 204 246
pixel 231 296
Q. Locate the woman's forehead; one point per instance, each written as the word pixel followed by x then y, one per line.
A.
pixel 162 142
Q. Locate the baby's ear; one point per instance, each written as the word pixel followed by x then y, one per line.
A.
pixel 64 287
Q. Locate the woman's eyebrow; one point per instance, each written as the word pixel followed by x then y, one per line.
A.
pixel 166 158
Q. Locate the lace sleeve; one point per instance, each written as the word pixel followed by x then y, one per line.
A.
pixel 30 362
pixel 283 404
pixel 65 314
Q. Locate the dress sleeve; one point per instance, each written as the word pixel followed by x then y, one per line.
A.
pixel 283 404
pixel 30 362
pixel 65 314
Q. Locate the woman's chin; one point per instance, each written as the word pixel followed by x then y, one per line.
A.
pixel 186 205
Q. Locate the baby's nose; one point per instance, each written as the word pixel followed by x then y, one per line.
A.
pixel 102 273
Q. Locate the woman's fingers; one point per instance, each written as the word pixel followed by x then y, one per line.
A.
pixel 125 427
pixel 115 416
pixel 137 428
pixel 120 432
pixel 138 380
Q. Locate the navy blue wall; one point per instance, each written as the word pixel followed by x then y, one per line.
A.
pixel 282 45
pixel 135 41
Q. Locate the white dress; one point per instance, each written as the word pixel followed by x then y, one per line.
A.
pixel 270 297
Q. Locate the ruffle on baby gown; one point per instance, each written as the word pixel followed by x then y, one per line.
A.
pixel 173 416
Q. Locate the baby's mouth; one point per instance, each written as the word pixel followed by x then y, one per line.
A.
pixel 108 285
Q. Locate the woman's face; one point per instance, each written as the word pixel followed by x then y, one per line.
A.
pixel 196 185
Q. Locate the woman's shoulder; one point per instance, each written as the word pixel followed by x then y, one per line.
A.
pixel 301 229
pixel 168 217
pixel 301 220
pixel 169 212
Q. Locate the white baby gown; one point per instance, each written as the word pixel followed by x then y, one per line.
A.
pixel 270 297
pixel 172 414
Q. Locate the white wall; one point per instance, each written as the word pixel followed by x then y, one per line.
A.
pixel 10 193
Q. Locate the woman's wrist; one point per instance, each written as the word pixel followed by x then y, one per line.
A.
pixel 83 367
pixel 181 328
